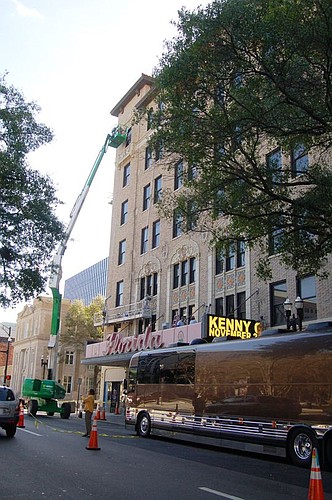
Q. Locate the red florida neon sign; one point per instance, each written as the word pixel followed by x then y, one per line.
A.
pixel 116 344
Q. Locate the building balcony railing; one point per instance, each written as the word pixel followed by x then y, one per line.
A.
pixel 120 314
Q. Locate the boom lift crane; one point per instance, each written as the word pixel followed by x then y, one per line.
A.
pixel 117 137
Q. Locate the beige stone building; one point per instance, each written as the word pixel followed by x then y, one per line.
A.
pixel 157 274
pixel 150 258
pixel 32 351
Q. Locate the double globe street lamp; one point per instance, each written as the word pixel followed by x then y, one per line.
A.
pixel 292 322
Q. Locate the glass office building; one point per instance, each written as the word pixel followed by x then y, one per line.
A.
pixel 88 284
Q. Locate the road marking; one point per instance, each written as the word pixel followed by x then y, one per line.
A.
pixel 30 432
pixel 219 493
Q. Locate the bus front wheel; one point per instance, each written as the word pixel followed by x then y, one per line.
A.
pixel 144 425
pixel 300 445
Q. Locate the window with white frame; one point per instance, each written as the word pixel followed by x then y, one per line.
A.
pixel 144 239
pixel 178 175
pixel 124 212
pixel 119 294
pixel 67 383
pixel 146 197
pixel 156 234
pixel 184 272
pixel 149 285
pixel 69 357
pixel 126 175
pixel 157 189
pixel 148 158
pixel 122 252
pixel 177 223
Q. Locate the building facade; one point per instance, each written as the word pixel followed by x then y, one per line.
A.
pixel 7 339
pixel 88 284
pixel 32 351
pixel 152 263
pixel 157 274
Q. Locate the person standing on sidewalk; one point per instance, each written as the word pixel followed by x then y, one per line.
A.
pixel 89 405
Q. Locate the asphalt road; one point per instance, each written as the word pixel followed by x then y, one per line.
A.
pixel 48 459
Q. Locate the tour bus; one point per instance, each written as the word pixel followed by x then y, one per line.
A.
pixel 271 394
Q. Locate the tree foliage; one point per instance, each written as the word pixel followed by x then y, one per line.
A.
pixel 29 229
pixel 78 328
pixel 241 79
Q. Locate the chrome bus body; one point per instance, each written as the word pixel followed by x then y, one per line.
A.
pixel 269 395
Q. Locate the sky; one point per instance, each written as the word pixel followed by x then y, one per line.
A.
pixel 76 59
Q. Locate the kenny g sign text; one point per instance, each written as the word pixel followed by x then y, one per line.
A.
pixel 219 326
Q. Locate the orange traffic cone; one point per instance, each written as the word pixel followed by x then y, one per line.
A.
pixel 316 485
pixel 97 417
pixel 21 417
pixel 93 441
pixel 102 413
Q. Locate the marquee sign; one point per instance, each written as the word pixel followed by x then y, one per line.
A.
pixel 220 326
pixel 117 343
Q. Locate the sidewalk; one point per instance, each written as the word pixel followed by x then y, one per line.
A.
pixel 111 418
pixel 114 419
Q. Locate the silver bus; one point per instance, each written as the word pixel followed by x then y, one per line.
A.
pixel 271 395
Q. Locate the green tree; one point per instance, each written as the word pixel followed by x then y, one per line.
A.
pixel 79 328
pixel 29 229
pixel 241 79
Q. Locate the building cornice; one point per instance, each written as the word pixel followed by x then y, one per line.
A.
pixel 134 90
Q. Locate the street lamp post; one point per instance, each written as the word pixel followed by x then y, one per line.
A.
pixel 8 330
pixel 299 310
pixel 288 312
pixel 44 363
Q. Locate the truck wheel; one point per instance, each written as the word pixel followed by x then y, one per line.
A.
pixel 144 425
pixel 33 407
pixel 65 413
pixel 11 430
pixel 300 445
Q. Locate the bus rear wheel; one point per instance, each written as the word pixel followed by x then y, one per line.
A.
pixel 300 445
pixel 144 425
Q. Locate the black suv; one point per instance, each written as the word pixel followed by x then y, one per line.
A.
pixel 9 411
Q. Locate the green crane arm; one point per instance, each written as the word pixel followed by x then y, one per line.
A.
pixel 117 136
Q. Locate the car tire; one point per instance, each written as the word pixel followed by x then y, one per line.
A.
pixel 11 431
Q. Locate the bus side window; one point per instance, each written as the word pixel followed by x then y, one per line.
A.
pixel 168 364
pixel 185 370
